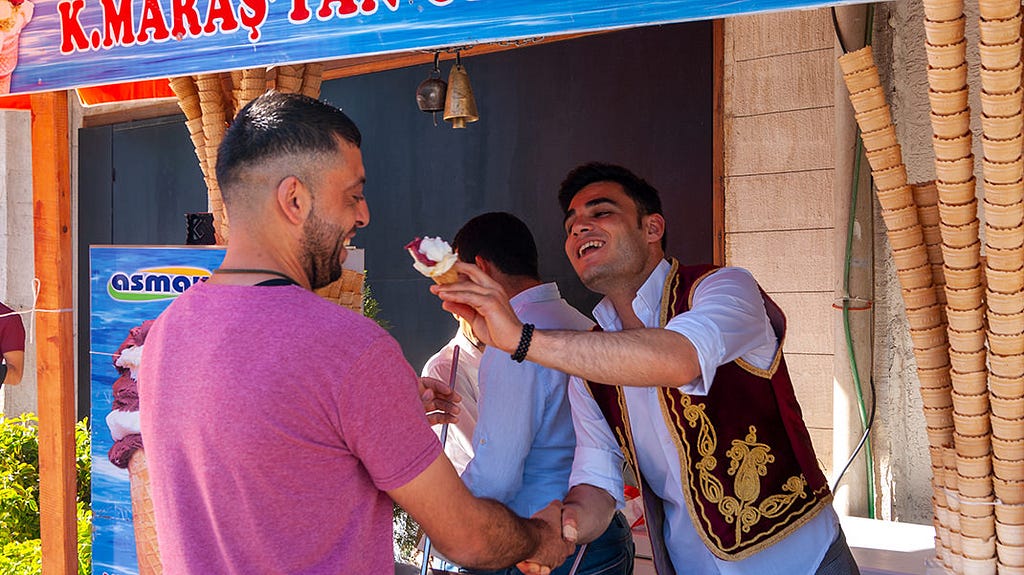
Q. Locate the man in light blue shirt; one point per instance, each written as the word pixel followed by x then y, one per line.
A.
pixel 524 440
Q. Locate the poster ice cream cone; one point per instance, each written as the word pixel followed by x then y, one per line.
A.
pixel 14 15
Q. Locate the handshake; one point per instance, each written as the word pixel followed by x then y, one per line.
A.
pixel 557 527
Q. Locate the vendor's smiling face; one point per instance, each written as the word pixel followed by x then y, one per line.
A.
pixel 605 238
pixel 339 207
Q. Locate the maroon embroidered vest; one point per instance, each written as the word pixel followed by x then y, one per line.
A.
pixel 749 473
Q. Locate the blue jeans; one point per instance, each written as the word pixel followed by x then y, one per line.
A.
pixel 609 554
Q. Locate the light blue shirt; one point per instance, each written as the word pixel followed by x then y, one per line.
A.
pixel 727 321
pixel 524 441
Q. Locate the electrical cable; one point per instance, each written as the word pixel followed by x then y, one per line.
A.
pixel 867 421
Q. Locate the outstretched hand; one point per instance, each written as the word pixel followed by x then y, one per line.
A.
pixel 553 549
pixel 482 302
pixel 440 402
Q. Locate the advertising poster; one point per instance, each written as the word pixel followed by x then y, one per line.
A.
pixel 128 286
pixel 50 45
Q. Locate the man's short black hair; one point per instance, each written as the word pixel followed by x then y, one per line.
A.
pixel 502 239
pixel 275 125
pixel 643 194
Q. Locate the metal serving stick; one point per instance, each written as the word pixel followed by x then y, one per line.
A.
pixel 579 559
pixel 425 568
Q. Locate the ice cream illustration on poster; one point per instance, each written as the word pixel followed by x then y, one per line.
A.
pixel 14 15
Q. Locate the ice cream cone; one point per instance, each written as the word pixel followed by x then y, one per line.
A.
pixel 142 515
pixel 959 236
pixel 1008 429
pixel 978 550
pixel 915 278
pixel 967 340
pixel 918 298
pixel 1008 150
pixel 932 234
pixel 954 172
pixel 891 178
pixel 1004 238
pixel 1006 323
pixel 900 218
pixel 940 435
pixel 879 139
pixel 970 405
pixel 1004 216
pixel 938 418
pixel 875 119
pixel 956 192
pixel 857 60
pixel 948 32
pixel 951 149
pixel 1008 449
pixel 311 79
pixel 448 277
pixel 969 298
pixel 1001 105
pixel 1008 387
pixel 998 9
pixel 1004 282
pixel 1000 56
pixel 933 357
pixel 868 99
pixel 1001 81
pixel 977 529
pixel 346 291
pixel 862 79
pixel 1004 259
pixel 971 425
pixel 885 158
pixel 999 127
pixel 948 102
pixel 967 361
pixel 188 97
pixel 958 215
pixel 1008 408
pixel 928 337
pixel 947 79
pixel 999 31
pixel 1009 469
pixel 895 198
pixel 943 10
pixel 928 215
pixel 1009 515
pixel 946 56
pixel 972 445
pixel 966 320
pixel 906 238
pixel 1010 492
pixel 1004 194
pixel 289 79
pixel 1009 344
pixel 951 125
pixel 910 258
pixel 937 398
pixel 971 383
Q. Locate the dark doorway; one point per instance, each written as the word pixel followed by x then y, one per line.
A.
pixel 639 97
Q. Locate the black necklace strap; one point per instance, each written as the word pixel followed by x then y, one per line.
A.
pixel 287 279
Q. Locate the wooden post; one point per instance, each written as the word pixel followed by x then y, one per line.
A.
pixel 55 349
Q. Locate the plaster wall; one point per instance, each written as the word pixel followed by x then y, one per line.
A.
pixel 16 251
pixel 899 48
pixel 779 172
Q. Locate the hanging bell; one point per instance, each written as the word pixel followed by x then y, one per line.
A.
pixel 430 94
pixel 460 107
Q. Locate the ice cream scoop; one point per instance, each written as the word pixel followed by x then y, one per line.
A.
pixel 433 257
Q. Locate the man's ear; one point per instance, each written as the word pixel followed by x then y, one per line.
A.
pixel 654 227
pixel 484 265
pixel 294 199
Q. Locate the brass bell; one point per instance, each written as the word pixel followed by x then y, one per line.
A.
pixel 459 107
pixel 430 94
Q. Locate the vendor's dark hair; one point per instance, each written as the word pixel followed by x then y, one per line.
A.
pixel 643 194
pixel 277 124
pixel 502 239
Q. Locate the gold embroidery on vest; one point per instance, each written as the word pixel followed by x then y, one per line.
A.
pixel 749 462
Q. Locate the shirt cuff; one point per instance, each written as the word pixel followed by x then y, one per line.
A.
pixel 707 340
pixel 601 471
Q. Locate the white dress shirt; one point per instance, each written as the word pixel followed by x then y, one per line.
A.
pixel 459 443
pixel 727 321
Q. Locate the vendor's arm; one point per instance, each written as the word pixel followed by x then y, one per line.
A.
pixel 15 361
pixel 596 480
pixel 727 320
pixel 478 533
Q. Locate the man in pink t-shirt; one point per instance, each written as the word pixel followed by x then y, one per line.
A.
pixel 12 346
pixel 280 427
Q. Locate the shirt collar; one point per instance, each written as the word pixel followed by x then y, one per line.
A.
pixel 542 292
pixel 646 304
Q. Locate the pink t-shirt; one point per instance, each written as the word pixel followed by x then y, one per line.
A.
pixel 273 422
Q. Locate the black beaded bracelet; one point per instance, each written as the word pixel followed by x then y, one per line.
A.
pixel 524 343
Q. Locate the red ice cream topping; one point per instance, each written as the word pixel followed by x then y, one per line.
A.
pixel 414 249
